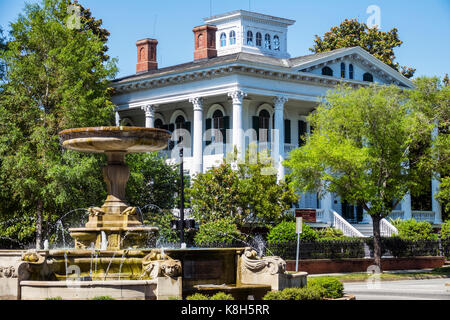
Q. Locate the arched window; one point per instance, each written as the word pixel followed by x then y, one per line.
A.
pixel 350 71
pixel 223 39
pixel 368 77
pixel 218 123
pixel 159 124
pixel 267 43
pixel 249 38
pixel 232 37
pixel 326 71
pixel 264 121
pixel 258 39
pixel 342 70
pixel 179 122
pixel 276 43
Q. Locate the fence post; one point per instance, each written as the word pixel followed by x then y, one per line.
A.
pixel 440 244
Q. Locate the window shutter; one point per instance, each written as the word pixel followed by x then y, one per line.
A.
pixel 255 122
pixel 287 131
pixel 226 125
pixel 207 127
pixel 301 133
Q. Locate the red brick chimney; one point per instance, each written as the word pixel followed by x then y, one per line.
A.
pixel 205 42
pixel 146 55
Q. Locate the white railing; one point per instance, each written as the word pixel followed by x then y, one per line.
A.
pixel 320 216
pixel 342 224
pixel 288 148
pixel 387 229
pixel 427 216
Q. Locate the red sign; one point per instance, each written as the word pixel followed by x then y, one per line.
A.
pixel 308 215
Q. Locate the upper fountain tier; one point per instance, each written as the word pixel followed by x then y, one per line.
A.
pixel 115 139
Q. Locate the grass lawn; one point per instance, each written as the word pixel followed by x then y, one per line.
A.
pixel 443 272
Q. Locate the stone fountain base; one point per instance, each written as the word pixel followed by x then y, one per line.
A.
pixel 151 274
pixel 118 238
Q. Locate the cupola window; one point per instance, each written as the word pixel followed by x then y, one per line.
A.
pixel 276 43
pixel 232 37
pixel 249 38
pixel 223 40
pixel 267 42
pixel 258 39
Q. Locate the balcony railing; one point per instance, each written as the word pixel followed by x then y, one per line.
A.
pixel 427 216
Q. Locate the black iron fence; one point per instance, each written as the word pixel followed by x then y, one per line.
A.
pixel 360 248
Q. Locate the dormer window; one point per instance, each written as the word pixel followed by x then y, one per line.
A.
pixel 223 39
pixel 368 77
pixel 326 71
pixel 249 38
pixel 342 70
pixel 276 43
pixel 267 41
pixel 350 71
pixel 258 39
pixel 232 38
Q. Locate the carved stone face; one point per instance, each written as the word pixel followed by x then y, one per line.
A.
pixel 171 268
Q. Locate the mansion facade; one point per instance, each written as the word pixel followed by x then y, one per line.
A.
pixel 244 87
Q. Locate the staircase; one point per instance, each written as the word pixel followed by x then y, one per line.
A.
pixel 386 228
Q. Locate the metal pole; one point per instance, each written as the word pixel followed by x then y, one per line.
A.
pixel 181 197
pixel 298 251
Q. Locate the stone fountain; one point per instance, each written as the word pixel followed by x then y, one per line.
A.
pixel 109 258
pixel 115 218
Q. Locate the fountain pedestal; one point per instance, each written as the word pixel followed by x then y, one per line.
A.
pixel 116 218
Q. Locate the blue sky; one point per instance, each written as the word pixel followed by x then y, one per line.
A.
pixel 424 26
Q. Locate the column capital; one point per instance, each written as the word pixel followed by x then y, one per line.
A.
pixel 197 102
pixel 237 96
pixel 279 101
pixel 149 110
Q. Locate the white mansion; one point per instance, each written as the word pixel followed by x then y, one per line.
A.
pixel 243 86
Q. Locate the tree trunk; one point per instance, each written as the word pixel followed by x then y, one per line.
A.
pixel 39 213
pixel 376 241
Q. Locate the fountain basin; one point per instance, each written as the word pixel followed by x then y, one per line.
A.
pixel 110 139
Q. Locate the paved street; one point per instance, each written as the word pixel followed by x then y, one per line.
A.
pixel 431 289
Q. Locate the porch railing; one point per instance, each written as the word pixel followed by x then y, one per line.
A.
pixel 427 216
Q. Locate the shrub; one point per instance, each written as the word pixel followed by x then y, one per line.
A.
pixel 331 234
pixel 217 296
pixel 286 231
pixel 332 286
pixel 197 296
pixel 445 230
pixel 313 293
pixel 414 230
pixel 218 231
pixel 103 298
pixel 222 296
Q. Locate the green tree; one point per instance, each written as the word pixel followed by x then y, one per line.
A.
pixel 352 33
pixel 432 96
pixel 56 78
pixel 360 150
pixel 2 63
pixel 247 194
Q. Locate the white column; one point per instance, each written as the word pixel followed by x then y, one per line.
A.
pixel 149 116
pixel 117 119
pixel 326 203
pixel 278 142
pixel 198 134
pixel 406 207
pixel 238 128
pixel 436 206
